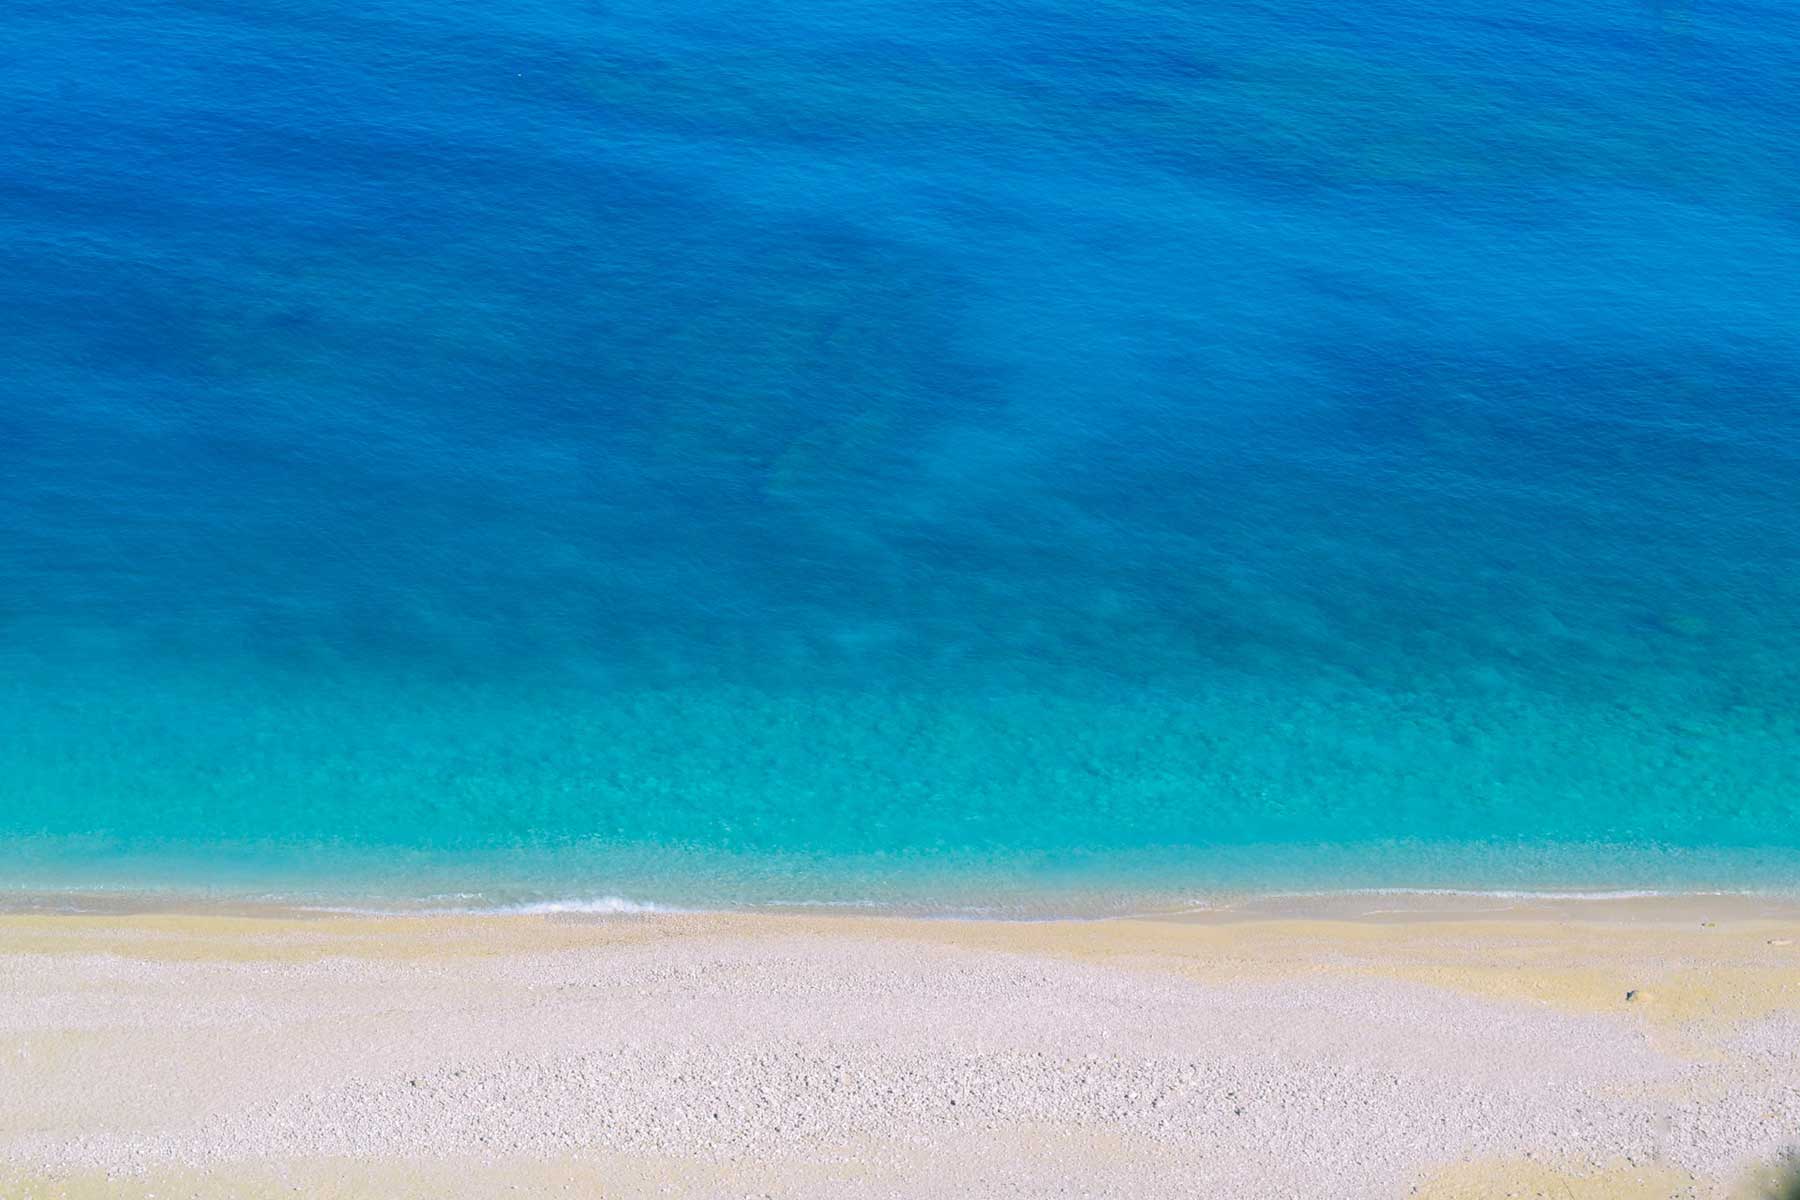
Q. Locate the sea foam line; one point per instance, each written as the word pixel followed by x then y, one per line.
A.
pixel 596 906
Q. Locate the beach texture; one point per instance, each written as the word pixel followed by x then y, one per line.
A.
pixel 1631 1049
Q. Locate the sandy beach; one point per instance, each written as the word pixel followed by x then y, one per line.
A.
pixel 1362 1046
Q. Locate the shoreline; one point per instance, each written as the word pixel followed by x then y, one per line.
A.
pixel 1354 904
pixel 1465 1054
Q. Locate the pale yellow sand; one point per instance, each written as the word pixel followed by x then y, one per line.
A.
pixel 1451 1049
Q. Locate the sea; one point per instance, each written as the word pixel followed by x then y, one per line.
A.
pixel 1008 457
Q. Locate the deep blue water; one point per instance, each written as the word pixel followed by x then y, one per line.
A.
pixel 929 451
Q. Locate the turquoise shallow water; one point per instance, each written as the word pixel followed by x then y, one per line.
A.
pixel 954 456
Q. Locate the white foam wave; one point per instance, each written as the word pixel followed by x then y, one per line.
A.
pixel 597 906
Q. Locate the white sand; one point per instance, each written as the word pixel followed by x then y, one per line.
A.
pixel 850 1057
